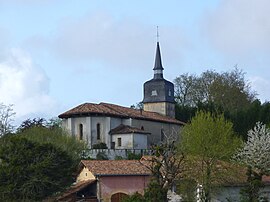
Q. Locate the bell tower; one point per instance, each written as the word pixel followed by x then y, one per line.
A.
pixel 158 92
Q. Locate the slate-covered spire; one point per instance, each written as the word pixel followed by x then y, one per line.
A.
pixel 158 69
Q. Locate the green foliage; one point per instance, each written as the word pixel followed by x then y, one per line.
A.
pixel 250 193
pixel 186 188
pixel 155 193
pixel 228 92
pixel 101 145
pixel 30 171
pixel 208 139
pixel 118 158
pixel 136 197
pixel 57 137
pixel 101 156
pixel 133 156
pixel 210 136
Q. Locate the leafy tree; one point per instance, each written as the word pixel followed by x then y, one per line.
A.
pixel 207 140
pixel 185 85
pixel 30 171
pixel 228 90
pixel 6 119
pixel 57 137
pixel 256 156
pixel 256 151
pixel 39 122
pixel 166 167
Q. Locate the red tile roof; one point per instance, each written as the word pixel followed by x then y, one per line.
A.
pixel 124 129
pixel 106 109
pixel 116 167
pixel 75 188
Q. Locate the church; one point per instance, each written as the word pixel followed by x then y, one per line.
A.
pixel 128 128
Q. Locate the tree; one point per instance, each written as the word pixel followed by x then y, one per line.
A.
pixel 255 154
pixel 228 90
pixel 206 140
pixel 57 137
pixel 166 167
pixel 39 122
pixel 185 85
pixel 256 151
pixel 30 171
pixel 6 119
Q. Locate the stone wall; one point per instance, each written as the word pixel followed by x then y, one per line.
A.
pixel 113 153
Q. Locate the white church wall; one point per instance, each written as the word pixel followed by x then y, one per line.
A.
pixel 139 141
pixel 104 130
pixel 155 129
pixel 126 141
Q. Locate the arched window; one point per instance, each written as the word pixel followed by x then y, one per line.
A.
pixel 98 131
pixel 81 131
pixel 142 128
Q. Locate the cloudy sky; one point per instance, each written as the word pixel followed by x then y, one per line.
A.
pixel 56 54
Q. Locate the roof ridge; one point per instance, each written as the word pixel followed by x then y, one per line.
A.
pixel 108 105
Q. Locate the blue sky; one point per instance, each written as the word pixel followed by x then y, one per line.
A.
pixel 55 55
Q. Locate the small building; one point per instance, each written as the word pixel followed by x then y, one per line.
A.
pixel 108 180
pixel 128 128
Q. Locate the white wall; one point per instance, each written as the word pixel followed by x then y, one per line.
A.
pixel 140 141
pixel 108 123
pixel 130 141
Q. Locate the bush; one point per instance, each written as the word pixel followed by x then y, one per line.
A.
pixel 118 158
pixel 101 145
pixel 133 156
pixel 30 171
pixel 136 197
pixel 101 156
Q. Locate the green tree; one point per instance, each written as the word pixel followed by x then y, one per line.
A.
pixel 207 140
pixel 57 137
pixel 228 90
pixel 30 171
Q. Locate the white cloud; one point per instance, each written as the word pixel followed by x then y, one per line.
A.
pixel 262 87
pixel 25 85
pixel 121 43
pixel 239 26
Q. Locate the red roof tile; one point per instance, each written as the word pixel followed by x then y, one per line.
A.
pixel 75 188
pixel 124 129
pixel 106 109
pixel 116 167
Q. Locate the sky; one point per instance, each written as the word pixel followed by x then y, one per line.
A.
pixel 57 54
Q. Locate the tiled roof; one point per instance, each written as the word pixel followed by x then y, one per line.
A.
pixel 106 109
pixel 75 188
pixel 124 129
pixel 116 167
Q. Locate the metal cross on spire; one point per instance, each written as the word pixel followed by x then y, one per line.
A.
pixel 157 35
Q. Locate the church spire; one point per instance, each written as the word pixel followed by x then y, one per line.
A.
pixel 158 69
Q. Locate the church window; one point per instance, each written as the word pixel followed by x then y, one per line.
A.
pixel 81 131
pixel 142 128
pixel 154 93
pixel 98 131
pixel 170 93
pixel 119 142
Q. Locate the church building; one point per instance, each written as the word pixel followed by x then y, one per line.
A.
pixel 127 128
